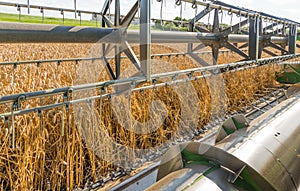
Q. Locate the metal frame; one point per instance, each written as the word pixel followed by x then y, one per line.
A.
pixel 257 39
pixel 122 24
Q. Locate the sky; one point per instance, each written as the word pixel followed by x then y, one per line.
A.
pixel 286 9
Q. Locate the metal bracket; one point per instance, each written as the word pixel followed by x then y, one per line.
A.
pixel 17 103
pixel 233 176
pixel 230 126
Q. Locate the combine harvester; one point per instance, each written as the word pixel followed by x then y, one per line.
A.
pixel 249 151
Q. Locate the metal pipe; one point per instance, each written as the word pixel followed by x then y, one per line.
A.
pixel 193 37
pixel 76 60
pixel 46 8
pixel 145 38
pixel 40 33
pixel 28 6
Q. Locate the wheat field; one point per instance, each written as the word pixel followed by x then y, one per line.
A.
pixel 53 153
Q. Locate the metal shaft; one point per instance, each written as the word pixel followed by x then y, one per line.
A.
pixel 34 33
pixel 39 33
pixel 145 37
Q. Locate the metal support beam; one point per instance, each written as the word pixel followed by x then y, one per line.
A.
pixel 126 48
pixel 106 6
pixel 28 6
pixel 75 8
pixel 271 26
pixel 216 24
pixel 254 31
pixel 130 15
pixel 234 28
pixel 201 15
pixel 260 44
pixel 40 33
pixel 106 21
pixel 244 46
pixel 292 39
pixel 192 24
pixel 271 44
pixel 215 54
pixel 145 38
pixel 269 52
pixel 236 50
pixel 117 47
pixel 216 29
pixel 198 59
pixel 277 31
pixel 201 29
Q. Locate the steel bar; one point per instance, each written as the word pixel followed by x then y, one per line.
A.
pixel 275 46
pixel 254 30
pixel 271 26
pixel 269 52
pixel 201 15
pixel 117 47
pixel 46 8
pixel 106 5
pixel 28 6
pixel 216 29
pixel 130 15
pixel 76 60
pixel 291 63
pixel 193 37
pixel 136 178
pixel 40 33
pixel 75 9
pixel 234 28
pixel 292 39
pixel 236 50
pixel 145 38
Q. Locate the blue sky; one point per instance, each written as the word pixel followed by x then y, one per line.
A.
pixel 287 8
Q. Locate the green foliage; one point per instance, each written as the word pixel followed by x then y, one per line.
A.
pixel 179 19
pixel 47 20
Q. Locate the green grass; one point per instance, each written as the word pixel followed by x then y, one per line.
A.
pixel 47 20
pixel 53 20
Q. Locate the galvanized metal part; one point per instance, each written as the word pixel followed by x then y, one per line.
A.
pixel 40 33
pixel 263 156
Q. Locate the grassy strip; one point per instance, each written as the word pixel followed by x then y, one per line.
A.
pixel 53 20
pixel 47 20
